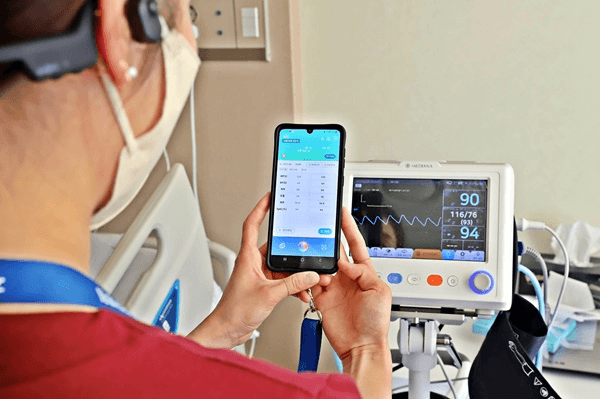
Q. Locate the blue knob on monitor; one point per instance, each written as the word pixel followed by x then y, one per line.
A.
pixel 481 282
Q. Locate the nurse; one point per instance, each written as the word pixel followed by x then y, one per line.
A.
pixel 73 151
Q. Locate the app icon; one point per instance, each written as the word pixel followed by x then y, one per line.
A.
pixel 282 245
pixel 303 246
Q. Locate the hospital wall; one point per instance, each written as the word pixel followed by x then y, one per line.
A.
pixel 514 81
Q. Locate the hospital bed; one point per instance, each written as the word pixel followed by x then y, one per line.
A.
pixel 164 269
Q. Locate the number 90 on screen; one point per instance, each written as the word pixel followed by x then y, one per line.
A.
pixel 466 199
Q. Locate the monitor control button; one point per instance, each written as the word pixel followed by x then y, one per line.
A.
pixel 452 281
pixel 427 254
pixel 414 279
pixel 394 278
pixel 435 280
pixel 481 282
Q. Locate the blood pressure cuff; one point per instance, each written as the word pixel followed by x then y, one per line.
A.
pixel 504 367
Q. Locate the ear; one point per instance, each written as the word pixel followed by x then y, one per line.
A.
pixel 113 38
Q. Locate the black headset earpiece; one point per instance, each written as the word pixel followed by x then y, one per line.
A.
pixel 53 56
pixel 144 24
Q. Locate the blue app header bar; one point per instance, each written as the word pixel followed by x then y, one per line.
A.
pixel 298 145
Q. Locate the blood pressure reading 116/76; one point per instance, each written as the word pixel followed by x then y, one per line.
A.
pixel 304 214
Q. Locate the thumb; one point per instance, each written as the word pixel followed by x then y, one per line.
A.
pixel 358 273
pixel 296 283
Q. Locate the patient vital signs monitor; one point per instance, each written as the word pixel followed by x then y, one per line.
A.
pixel 439 234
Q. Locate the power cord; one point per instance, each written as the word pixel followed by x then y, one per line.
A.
pixel 253 337
pixel 193 128
pixel 541 306
pixel 439 360
pixel 523 225
pixel 167 160
pixel 537 256
pixel 193 138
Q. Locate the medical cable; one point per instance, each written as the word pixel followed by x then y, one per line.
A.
pixel 338 361
pixel 535 254
pixel 193 138
pixel 167 160
pixel 439 360
pixel 523 225
pixel 540 298
pixel 252 346
pixel 196 31
pixel 566 278
pixel 255 334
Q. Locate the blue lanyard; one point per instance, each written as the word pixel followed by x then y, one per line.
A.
pixel 311 334
pixel 45 282
pixel 310 345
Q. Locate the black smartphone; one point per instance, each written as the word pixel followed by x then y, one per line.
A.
pixel 306 198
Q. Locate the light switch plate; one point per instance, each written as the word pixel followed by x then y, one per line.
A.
pixel 250 26
pixel 251 42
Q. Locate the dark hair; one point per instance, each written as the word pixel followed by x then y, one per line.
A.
pixel 29 19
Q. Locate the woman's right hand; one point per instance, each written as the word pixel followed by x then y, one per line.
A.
pixel 356 305
pixel 356 309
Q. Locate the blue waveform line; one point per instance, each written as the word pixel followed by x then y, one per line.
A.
pixel 414 220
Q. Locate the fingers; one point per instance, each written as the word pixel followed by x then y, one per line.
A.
pixel 279 276
pixel 295 284
pixel 343 255
pixel 254 220
pixel 325 280
pixel 263 250
pixel 316 291
pixel 365 278
pixel 303 296
pixel 354 238
pixel 352 270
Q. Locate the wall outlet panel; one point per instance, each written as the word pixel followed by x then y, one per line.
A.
pixel 216 21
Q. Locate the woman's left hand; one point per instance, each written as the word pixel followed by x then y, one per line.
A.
pixel 253 290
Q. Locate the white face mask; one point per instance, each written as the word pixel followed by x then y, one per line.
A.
pixel 139 156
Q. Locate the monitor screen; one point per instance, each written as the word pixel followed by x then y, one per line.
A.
pixel 422 218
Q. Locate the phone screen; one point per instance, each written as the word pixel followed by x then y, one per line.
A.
pixel 306 199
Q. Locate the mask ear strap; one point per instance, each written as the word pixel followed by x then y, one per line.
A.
pixel 119 110
pixel 164 28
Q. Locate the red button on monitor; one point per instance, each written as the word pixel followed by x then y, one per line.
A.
pixel 435 279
